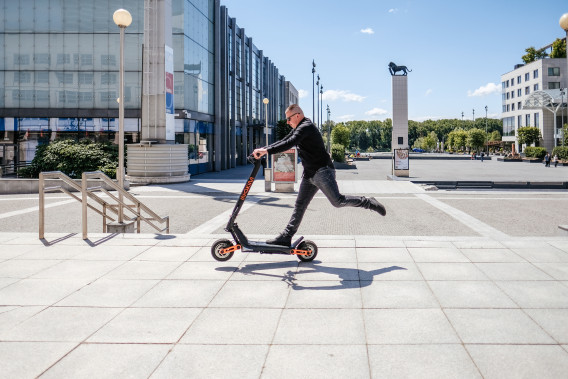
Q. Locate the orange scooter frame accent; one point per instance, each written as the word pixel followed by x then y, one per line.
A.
pixel 230 249
pixel 301 252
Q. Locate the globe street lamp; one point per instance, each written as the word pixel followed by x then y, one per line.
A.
pixel 122 19
pixel 266 101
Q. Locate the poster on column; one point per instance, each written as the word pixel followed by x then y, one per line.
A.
pixel 170 118
pixel 284 166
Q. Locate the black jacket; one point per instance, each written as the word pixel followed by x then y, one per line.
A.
pixel 310 147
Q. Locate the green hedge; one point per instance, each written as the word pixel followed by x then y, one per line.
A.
pixel 338 153
pixel 535 152
pixel 561 151
pixel 73 158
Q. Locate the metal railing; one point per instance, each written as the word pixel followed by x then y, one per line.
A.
pixel 139 211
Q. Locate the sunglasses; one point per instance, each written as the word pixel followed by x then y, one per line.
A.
pixel 289 118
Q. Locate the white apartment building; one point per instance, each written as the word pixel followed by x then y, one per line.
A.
pixel 525 87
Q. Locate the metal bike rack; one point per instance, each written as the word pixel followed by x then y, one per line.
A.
pixel 139 211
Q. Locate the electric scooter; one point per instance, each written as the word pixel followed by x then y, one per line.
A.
pixel 223 249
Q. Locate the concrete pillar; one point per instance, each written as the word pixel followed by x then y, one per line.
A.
pixel 400 116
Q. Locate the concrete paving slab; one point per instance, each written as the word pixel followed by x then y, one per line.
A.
pixel 536 294
pixel 512 271
pixel 30 359
pixel 437 254
pixel 348 360
pixel 109 361
pixel 492 255
pixel 517 361
pixel 60 324
pixel 496 326
pixel 213 361
pixel 397 294
pixel 421 361
pixel 233 326
pixel 470 294
pixel 146 325
pixel 450 271
pixel 383 254
pixel 558 271
pixel 180 293
pixel 553 321
pixel 320 327
pixel 38 291
pixel 408 326
pixel 108 293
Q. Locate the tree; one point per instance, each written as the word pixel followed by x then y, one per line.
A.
pixel 282 129
pixel 528 135
pixel 558 48
pixel 533 55
pixel 73 158
pixel 495 136
pixel 475 139
pixel 340 135
pixel 457 139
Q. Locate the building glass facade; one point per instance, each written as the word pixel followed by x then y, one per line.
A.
pixel 59 77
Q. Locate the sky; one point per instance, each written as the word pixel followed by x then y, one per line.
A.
pixel 457 50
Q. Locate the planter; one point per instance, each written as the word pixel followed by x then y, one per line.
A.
pixel 532 160
pixel 509 160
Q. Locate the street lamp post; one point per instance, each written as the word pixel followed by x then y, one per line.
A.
pixel 562 93
pixel 316 120
pixel 328 129
pixel 486 138
pixel 321 107
pixel 564 25
pixel 266 101
pixel 313 93
pixel 122 19
pixel 473 115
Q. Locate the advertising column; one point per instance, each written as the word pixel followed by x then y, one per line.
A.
pixel 170 117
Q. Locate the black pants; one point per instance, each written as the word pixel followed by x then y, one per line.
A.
pixel 324 180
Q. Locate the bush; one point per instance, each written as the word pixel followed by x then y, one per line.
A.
pixel 338 153
pixel 561 151
pixel 535 152
pixel 73 158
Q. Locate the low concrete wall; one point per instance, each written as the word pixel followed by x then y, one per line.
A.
pixel 23 186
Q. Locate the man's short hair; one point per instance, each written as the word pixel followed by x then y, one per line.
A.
pixel 294 108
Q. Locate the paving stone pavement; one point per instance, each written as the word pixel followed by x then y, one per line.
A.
pixel 456 292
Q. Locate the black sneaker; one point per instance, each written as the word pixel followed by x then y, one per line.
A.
pixel 374 205
pixel 282 240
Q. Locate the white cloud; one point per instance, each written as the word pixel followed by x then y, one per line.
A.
pixel 368 31
pixel 332 95
pixel 393 10
pixel 488 89
pixel 302 93
pixel 346 117
pixel 376 112
pixel 428 91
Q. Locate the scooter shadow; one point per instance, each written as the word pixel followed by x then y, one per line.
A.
pixel 348 277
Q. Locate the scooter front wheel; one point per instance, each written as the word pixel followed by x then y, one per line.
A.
pixel 308 245
pixel 217 250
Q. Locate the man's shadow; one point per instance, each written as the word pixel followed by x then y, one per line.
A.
pixel 349 277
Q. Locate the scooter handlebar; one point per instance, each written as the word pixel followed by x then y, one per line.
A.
pixel 253 160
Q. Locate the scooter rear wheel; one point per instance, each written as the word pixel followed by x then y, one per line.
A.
pixel 308 245
pixel 218 246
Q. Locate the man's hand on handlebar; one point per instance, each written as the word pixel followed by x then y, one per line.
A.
pixel 258 153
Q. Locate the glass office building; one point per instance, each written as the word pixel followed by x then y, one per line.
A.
pixel 59 77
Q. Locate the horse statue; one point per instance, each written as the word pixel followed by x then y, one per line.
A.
pixel 394 69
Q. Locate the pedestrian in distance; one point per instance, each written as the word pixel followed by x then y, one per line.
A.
pixel 319 172
pixel 555 160
pixel 547 160
pixel 482 155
